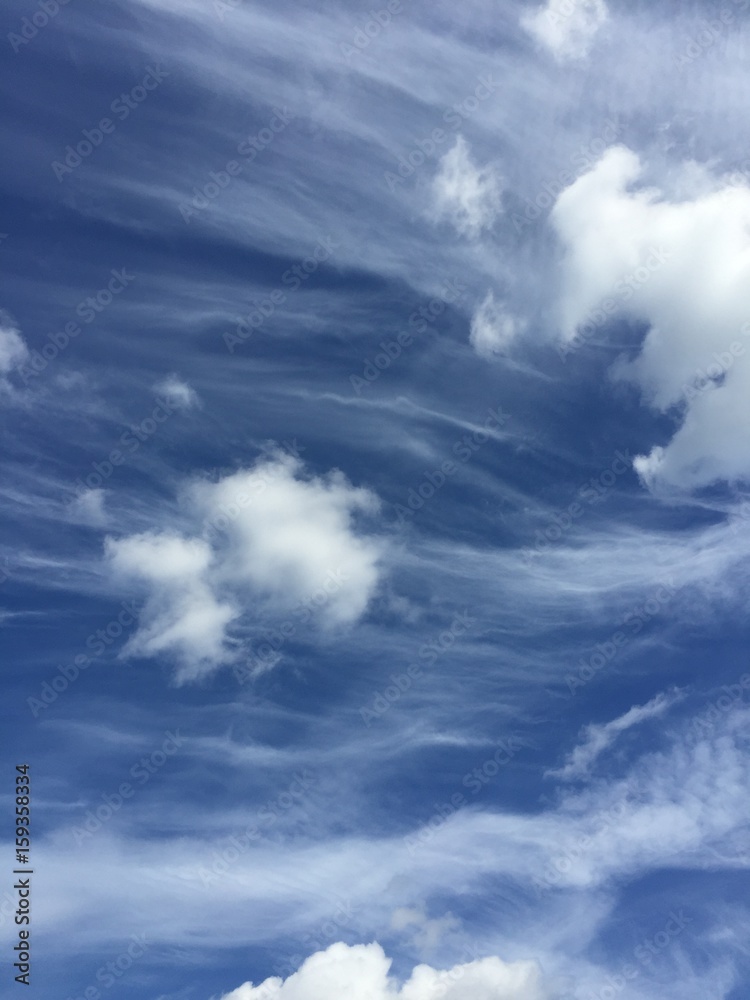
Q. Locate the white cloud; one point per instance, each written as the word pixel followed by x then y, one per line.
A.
pixel 177 392
pixel 268 536
pixel 682 268
pixel 567 27
pixel 89 508
pixel 598 738
pixel 493 329
pixel 427 932
pixel 468 196
pixel 13 349
pixel 360 972
pixel 182 615
pixel 289 536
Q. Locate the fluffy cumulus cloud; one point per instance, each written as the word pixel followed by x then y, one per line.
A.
pixel 493 328
pixel 567 27
pixel 679 265
pixel 182 615
pixel 361 972
pixel 269 538
pixel 177 393
pixel 469 197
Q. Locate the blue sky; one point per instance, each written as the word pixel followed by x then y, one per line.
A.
pixel 375 537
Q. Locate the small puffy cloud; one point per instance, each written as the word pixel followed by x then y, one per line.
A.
pixel 567 27
pixel 288 535
pixel 268 537
pixel 13 350
pixel 88 508
pixel 360 972
pixel 493 329
pixel 182 615
pixel 598 738
pixel 467 196
pixel 679 266
pixel 177 393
